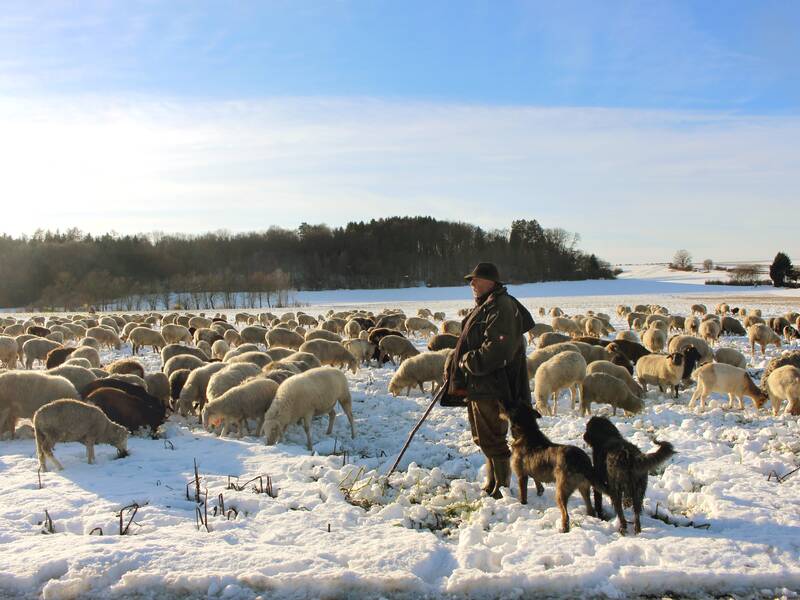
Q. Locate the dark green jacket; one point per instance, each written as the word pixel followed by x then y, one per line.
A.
pixel 492 362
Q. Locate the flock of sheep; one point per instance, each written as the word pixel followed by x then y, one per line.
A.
pixel 279 371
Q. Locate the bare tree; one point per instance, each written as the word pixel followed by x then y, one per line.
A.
pixel 682 260
pixel 708 264
pixel 745 274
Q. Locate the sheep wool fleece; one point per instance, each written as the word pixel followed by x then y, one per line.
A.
pixel 492 366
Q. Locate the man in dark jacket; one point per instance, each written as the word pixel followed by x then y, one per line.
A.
pixel 488 369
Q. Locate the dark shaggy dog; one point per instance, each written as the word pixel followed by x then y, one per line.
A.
pixel 534 455
pixel 621 468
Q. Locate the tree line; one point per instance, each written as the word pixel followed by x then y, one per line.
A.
pixel 74 269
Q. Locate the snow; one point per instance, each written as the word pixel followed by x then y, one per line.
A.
pixel 338 528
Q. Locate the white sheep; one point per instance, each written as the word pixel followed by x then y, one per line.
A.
pixel 157 385
pixel 362 350
pixel 537 358
pixel 629 335
pixel 174 334
pixel 144 336
pixel 304 396
pixel 565 325
pixel 323 334
pixel 679 343
pixel 663 370
pixel 80 377
pixel 262 359
pixel 602 388
pixel 606 366
pixel 784 384
pixel 284 338
pixel 75 421
pixel 78 362
pixel 395 346
pixel 248 400
pixel 451 326
pixel 37 349
pixel 418 370
pixel 231 376
pixel 731 356
pixel 565 370
pixel 233 338
pixel 105 337
pixel 419 325
pixel 709 330
pixel 182 361
pixel 194 390
pixel 331 353
pixel 654 339
pixel 758 333
pixel 22 393
pixel 9 351
pixel 219 349
pixel 725 379
pixel 352 329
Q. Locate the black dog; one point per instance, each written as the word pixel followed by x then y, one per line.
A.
pixel 622 468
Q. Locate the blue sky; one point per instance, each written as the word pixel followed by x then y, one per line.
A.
pixel 592 116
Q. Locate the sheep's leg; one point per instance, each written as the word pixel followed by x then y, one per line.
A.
pixel 695 396
pixel 522 480
pixel 331 419
pixel 225 426
pixel 741 402
pixel 307 427
pixel 52 457
pixel 89 451
pixel 554 412
pixel 246 426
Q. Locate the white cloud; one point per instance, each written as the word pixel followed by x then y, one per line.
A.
pixel 635 184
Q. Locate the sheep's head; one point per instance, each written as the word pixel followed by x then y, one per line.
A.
pixel 394 388
pixel 273 432
pixel 119 439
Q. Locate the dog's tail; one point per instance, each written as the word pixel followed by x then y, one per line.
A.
pixel 648 462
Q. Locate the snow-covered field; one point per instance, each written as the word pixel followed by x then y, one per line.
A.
pixel 337 528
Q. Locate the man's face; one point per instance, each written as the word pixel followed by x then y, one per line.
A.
pixel 480 286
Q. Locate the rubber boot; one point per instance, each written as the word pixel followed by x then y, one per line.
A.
pixel 488 485
pixel 502 474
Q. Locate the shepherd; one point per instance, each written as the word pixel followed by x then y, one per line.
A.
pixel 488 369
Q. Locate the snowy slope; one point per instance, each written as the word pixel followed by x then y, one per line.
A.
pixel 424 531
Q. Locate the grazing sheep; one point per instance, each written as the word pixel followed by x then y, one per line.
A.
pixel 732 326
pixel 231 376
pixel 199 322
pixel 709 331
pixel 262 359
pixel 352 329
pixel 37 349
pixel 362 350
pixel 126 365
pixel 206 335
pixel 194 389
pixel 537 330
pixel 233 338
pixel 38 331
pixel 750 320
pixel 9 352
pixel 248 400
pixel 396 321
pixel 144 336
pixel 418 325
pixel 417 370
pixel 451 326
pixel 280 353
pixel 331 353
pixel 396 347
pixel 219 349
pixel 778 323
pixel 440 341
pixel 304 396
pixel 306 359
pixel 784 384
pixel 679 343
pixel 172 350
pixel 283 338
pixel 791 334
pixel 22 393
pixel 105 337
pixel 439 316
pixel 175 334
pixel 254 334
pixel 157 385
pixel 731 356
pixel 556 312
pixel 78 362
pixel 725 379
pixel 595 327
pixel 131 410
pixel 654 339
pixel 608 367
pixel 550 338
pixel 176 382
pixel 80 377
pixel 537 358
pixel 699 309
pixel 74 421
pixel 663 370
pixel 88 342
pixel 758 333
pixel 564 325
pixel 57 357
pixel 242 349
pixel 182 361
pixel 602 388
pixel 628 335
pixel 565 370
pixel 323 334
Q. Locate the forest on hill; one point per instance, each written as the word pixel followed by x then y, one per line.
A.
pixel 74 269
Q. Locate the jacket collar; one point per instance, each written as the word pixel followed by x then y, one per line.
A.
pixel 489 296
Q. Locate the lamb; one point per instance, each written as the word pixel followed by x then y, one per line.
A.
pixel 182 361
pixel 37 349
pixel 194 389
pixel 22 393
pixel 74 421
pixel 417 370
pixel 173 350
pixel 565 370
pixel 304 396
pixel 248 400
pixel 174 334
pixel 709 331
pixel 362 350
pixel 231 376
pixel 564 325
pixel 758 333
pixel 630 350
pixel 131 410
pixel 144 336
pixel 602 388
pixel 654 339
pixel 283 338
pixel 395 346
pixel 731 356
pixel 420 326
pixel 80 377
pixel 663 370
pixel 331 353
pixel 105 337
pixel 9 351
pixel 784 384
pixel 608 367
pixel 440 341
pixel 126 365
pixel 725 379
